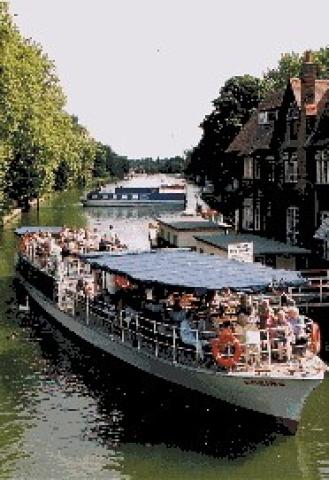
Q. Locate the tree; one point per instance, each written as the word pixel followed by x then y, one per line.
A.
pixel 41 146
pixel 238 98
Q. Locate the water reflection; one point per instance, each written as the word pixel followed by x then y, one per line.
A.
pixel 144 425
pixel 67 411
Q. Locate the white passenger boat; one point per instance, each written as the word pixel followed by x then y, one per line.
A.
pixel 133 307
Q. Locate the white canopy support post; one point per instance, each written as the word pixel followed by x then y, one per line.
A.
pixel 87 310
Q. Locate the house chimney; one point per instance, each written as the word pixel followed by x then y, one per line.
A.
pixel 308 77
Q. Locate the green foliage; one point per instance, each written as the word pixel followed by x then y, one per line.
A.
pixel 175 164
pixel 289 66
pixel 42 148
pixel 237 99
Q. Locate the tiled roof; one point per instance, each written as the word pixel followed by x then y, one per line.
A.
pixel 261 245
pixel 272 100
pixel 321 86
pixel 320 135
pixel 243 142
pixel 253 137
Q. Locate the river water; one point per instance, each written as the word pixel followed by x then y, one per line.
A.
pixel 70 412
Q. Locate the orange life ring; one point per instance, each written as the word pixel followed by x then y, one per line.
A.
pixel 218 345
pixel 315 338
pixel 121 282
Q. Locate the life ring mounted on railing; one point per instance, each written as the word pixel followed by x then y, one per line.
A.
pixel 219 345
pixel 315 338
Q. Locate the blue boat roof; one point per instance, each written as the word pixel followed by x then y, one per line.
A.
pixel 136 189
pixel 37 229
pixel 194 270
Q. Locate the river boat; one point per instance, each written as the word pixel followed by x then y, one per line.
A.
pixel 134 305
pixel 174 194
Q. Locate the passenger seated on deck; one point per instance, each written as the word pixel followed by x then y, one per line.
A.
pixel 190 336
pixel 280 334
pixel 297 324
pixel 178 314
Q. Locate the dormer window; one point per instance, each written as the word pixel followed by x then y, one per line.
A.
pixel 266 117
pixel 293 113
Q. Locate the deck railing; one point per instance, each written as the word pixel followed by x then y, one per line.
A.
pixel 163 340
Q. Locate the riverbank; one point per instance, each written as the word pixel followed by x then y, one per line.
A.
pixel 15 213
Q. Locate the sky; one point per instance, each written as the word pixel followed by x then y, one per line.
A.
pixel 141 74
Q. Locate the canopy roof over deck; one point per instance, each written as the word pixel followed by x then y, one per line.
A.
pixel 193 270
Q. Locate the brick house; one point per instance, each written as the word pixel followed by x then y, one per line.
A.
pixel 278 164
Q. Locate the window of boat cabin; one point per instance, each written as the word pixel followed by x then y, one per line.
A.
pixel 105 196
pixel 134 196
pixel 124 197
pixel 174 240
pixel 114 196
pixel 94 197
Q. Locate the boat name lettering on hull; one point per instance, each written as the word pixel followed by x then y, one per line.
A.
pixel 264 383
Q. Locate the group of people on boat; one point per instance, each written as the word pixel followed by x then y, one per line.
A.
pixel 202 320
pixel 215 322
pixel 44 245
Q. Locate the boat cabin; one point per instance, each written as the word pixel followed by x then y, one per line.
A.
pixel 181 231
pixel 269 252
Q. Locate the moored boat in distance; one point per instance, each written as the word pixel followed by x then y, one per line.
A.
pixel 174 194
pixel 209 324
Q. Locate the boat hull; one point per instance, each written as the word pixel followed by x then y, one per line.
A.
pixel 280 397
pixel 129 203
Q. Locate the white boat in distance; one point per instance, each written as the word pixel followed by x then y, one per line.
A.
pixel 174 194
pixel 123 314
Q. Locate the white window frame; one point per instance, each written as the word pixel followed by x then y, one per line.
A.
pixel 267 117
pixel 292 224
pixel 271 176
pixel 324 214
pixel 322 168
pixel 247 214
pixel 257 215
pixel 257 168
pixel 251 215
pixel 291 168
pixel 262 118
pixel 248 171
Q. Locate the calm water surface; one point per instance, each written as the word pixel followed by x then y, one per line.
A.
pixel 69 412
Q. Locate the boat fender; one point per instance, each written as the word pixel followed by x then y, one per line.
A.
pixel 315 338
pixel 218 346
